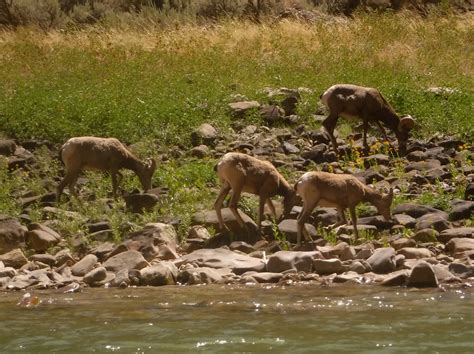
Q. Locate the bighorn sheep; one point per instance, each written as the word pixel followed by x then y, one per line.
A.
pixel 104 154
pixel 339 191
pixel 368 104
pixel 244 173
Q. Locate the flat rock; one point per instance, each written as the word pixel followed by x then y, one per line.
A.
pixel 204 275
pixel 405 220
pixel 328 266
pixel 426 235
pixel 125 260
pixel 239 108
pixel 461 270
pixel 44 258
pixel 398 278
pixel 223 258
pixel 378 221
pixel 457 245
pixel 141 202
pixel 84 266
pixel 463 209
pixel 382 260
pixel 460 232
pixel 422 275
pixel 422 165
pixel 403 242
pixel 41 237
pixel 415 253
pixel 434 221
pixel 342 250
pixel 415 210
pixel 264 277
pixel 95 275
pixel 286 260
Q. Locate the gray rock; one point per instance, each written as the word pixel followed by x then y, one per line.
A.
pixel 422 165
pixel 204 275
pixel 328 266
pixel 14 258
pixel 463 209
pixel 205 134
pixel 7 272
pixel 125 260
pixel 271 113
pixel 264 277
pixel 44 258
pixel 84 266
pixel 140 202
pixel 349 276
pixel 459 269
pixel 434 221
pixel 7 147
pixel 415 210
pixel 200 151
pixel 457 245
pixel 95 275
pixel 402 242
pixel 460 232
pixel 222 258
pixel 241 246
pixel 239 108
pixel 382 260
pixel 288 227
pixel 422 275
pixel 426 235
pixel 469 192
pixel 41 237
pixel 12 234
pixel 341 250
pixel 325 216
pixel 377 159
pixel 405 220
pixel 198 232
pixel 154 240
pixel 164 273
pixel 285 260
pixel 415 253
pixel 398 278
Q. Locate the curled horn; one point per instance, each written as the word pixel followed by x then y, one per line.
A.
pixel 406 123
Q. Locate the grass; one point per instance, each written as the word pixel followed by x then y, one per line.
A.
pixel 153 87
pixel 162 84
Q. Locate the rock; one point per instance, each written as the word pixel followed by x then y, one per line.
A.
pixel 469 192
pixel 422 275
pixel 414 210
pixel 416 156
pixel 460 232
pixel 223 258
pixel 44 258
pixel 205 134
pixel 443 274
pixel 415 253
pixel 341 250
pixel 285 260
pixel 347 277
pixel 290 148
pixel 462 209
pixel 15 258
pixel 209 219
pixel 41 237
pixel 154 240
pixel 84 266
pixel 125 260
pixel 405 220
pixel 264 277
pixel 459 269
pixel 325 216
pixel 426 235
pixel 198 232
pixel 12 234
pixel 238 109
pixel 399 278
pixel 271 113
pixel 382 260
pixel 349 229
pixel 328 266
pixel 95 275
pixel 360 267
pixel 377 159
pixel 241 246
pixel 434 221
pixel 200 151
pixel 403 242
pixel 140 202
pixel 7 272
pixel 98 226
pixel 7 147
pixel 422 165
pixel 164 273
pixel 316 154
pixel 204 275
pixel 378 221
pixel 456 245
pixel 369 176
pixel 288 228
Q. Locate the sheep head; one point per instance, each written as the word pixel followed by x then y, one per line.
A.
pixel 146 173
pixel 404 126
pixel 384 203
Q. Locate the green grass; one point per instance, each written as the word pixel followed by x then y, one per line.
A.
pixel 160 85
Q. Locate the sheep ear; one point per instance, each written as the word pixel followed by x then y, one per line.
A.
pixel 151 164
pixel 406 123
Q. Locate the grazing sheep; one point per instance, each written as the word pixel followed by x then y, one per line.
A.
pixel 338 191
pixel 368 104
pixel 244 173
pixel 104 154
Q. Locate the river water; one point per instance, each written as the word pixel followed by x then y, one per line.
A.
pixel 296 319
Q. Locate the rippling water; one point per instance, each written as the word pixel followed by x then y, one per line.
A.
pixel 300 319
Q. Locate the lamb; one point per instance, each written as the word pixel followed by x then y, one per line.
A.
pixel 341 191
pixel 244 173
pixel 104 154
pixel 368 104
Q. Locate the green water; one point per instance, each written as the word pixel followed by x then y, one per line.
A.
pixel 296 319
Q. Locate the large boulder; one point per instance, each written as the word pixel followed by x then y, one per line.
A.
pixel 422 275
pixel 342 250
pixel 155 240
pixel 436 221
pixel 41 237
pixel 125 260
pixel 84 266
pixel 461 244
pixel 95 275
pixel 329 266
pixel 12 234
pixel 460 232
pixel 286 260
pixel 205 134
pixel 15 258
pixel 164 273
pixel 382 260
pixel 223 258
pixel 413 252
pixel 288 227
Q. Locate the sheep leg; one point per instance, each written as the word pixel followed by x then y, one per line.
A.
pixel 261 206
pixel 236 192
pixel 352 210
pixel 113 175
pixel 218 205
pixel 384 133
pixel 341 218
pixel 366 128
pixel 72 185
pixel 305 213
pixel 65 181
pixel 272 208
pixel 330 124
